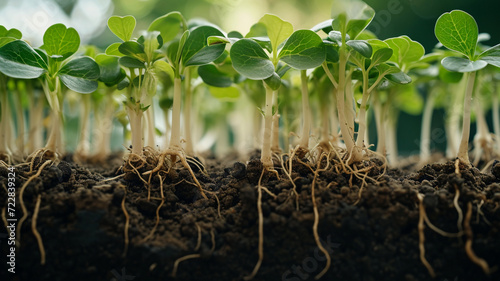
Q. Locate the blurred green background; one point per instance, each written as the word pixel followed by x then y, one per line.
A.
pixel 415 18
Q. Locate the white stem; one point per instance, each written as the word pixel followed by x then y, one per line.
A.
pixel 266 156
pixel 334 122
pixel 55 131
pixel 5 119
pixel 35 124
pixel 275 141
pixel 83 144
pixel 187 116
pixel 257 125
pixel 135 118
pixel 175 137
pixel 380 122
pixel 392 144
pixel 483 142
pixel 463 150
pixel 20 125
pixel 306 112
pixel 150 129
pixel 425 135
pixel 362 112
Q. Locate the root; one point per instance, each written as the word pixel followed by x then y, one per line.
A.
pixel 479 212
pixel 289 175
pixel 459 210
pixel 157 213
pixel 112 179
pixel 35 231
pixel 174 154
pixel 218 202
pixel 468 243
pixel 42 156
pixel 198 242
pixel 127 224
pixel 421 235
pixel 316 215
pixel 193 256
pixel 21 201
pixel 261 230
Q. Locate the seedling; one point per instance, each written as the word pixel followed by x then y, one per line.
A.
pixel 458 31
pixel 53 64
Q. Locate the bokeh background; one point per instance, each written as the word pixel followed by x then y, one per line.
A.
pixel 415 18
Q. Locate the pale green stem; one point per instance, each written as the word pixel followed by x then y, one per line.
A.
pixel 175 137
pixel 135 118
pixel 266 156
pixel 380 122
pixel 151 129
pixel 5 118
pixel 425 135
pixel 482 140
pixel 20 124
pixel 275 140
pixel 82 149
pixel 362 112
pixel 463 150
pixel 306 111
pixel 496 117
pixel 187 115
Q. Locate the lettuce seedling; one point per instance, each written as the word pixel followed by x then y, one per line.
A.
pixel 53 64
pixel 458 31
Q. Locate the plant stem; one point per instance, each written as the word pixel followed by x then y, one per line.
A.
pixel 380 122
pixel 362 112
pixel 425 135
pixel 35 123
pixel 82 149
pixel 275 140
pixel 266 157
pixel 463 149
pixel 496 116
pixel 135 117
pixel 482 140
pixel 175 136
pixel 187 114
pixel 55 130
pixel 20 122
pixel 151 130
pixel 306 112
pixel 5 119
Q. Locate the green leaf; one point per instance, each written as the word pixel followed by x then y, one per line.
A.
pixel 131 62
pixel 273 81
pixel 491 56
pixel 381 55
pixel 257 30
pixel 303 50
pixel 60 42
pixel 196 50
pixel 462 64
pixel 458 31
pixel 133 49
pixel 250 60
pixel 386 69
pixel 227 94
pixel 12 33
pixel 278 30
pixel 325 26
pixel 351 16
pixel 109 68
pixel 169 25
pixel 123 27
pixel 332 52
pixel 80 75
pixel 336 36
pixel 112 50
pixel 399 78
pixel 5 40
pixel 213 77
pixel 234 34
pixel 19 60
pixel 163 66
pixel 405 51
pixel 361 47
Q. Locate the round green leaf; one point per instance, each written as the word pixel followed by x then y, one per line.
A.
pixel 123 27
pixel 112 50
pixel 80 75
pixel 361 47
pixel 213 77
pixel 303 50
pixel 273 81
pixel 458 31
pixel 60 42
pixel 169 25
pixel 449 76
pixel 462 64
pixel 19 60
pixel 492 55
pixel 131 62
pixel 381 55
pixel 163 66
pixel 399 78
pixel 250 60
pixel 278 30
pixel 12 33
pixel 196 50
pixel 109 68
pixel 133 49
pixel 351 16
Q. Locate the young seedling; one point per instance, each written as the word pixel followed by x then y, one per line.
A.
pixel 52 64
pixel 6 128
pixel 458 31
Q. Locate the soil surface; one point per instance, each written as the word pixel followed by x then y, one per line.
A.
pixel 82 222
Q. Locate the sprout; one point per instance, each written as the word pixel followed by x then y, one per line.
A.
pixel 458 31
pixel 53 64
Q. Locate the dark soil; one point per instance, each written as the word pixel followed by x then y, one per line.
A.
pixel 82 224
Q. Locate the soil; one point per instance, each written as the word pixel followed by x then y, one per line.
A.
pixel 82 224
